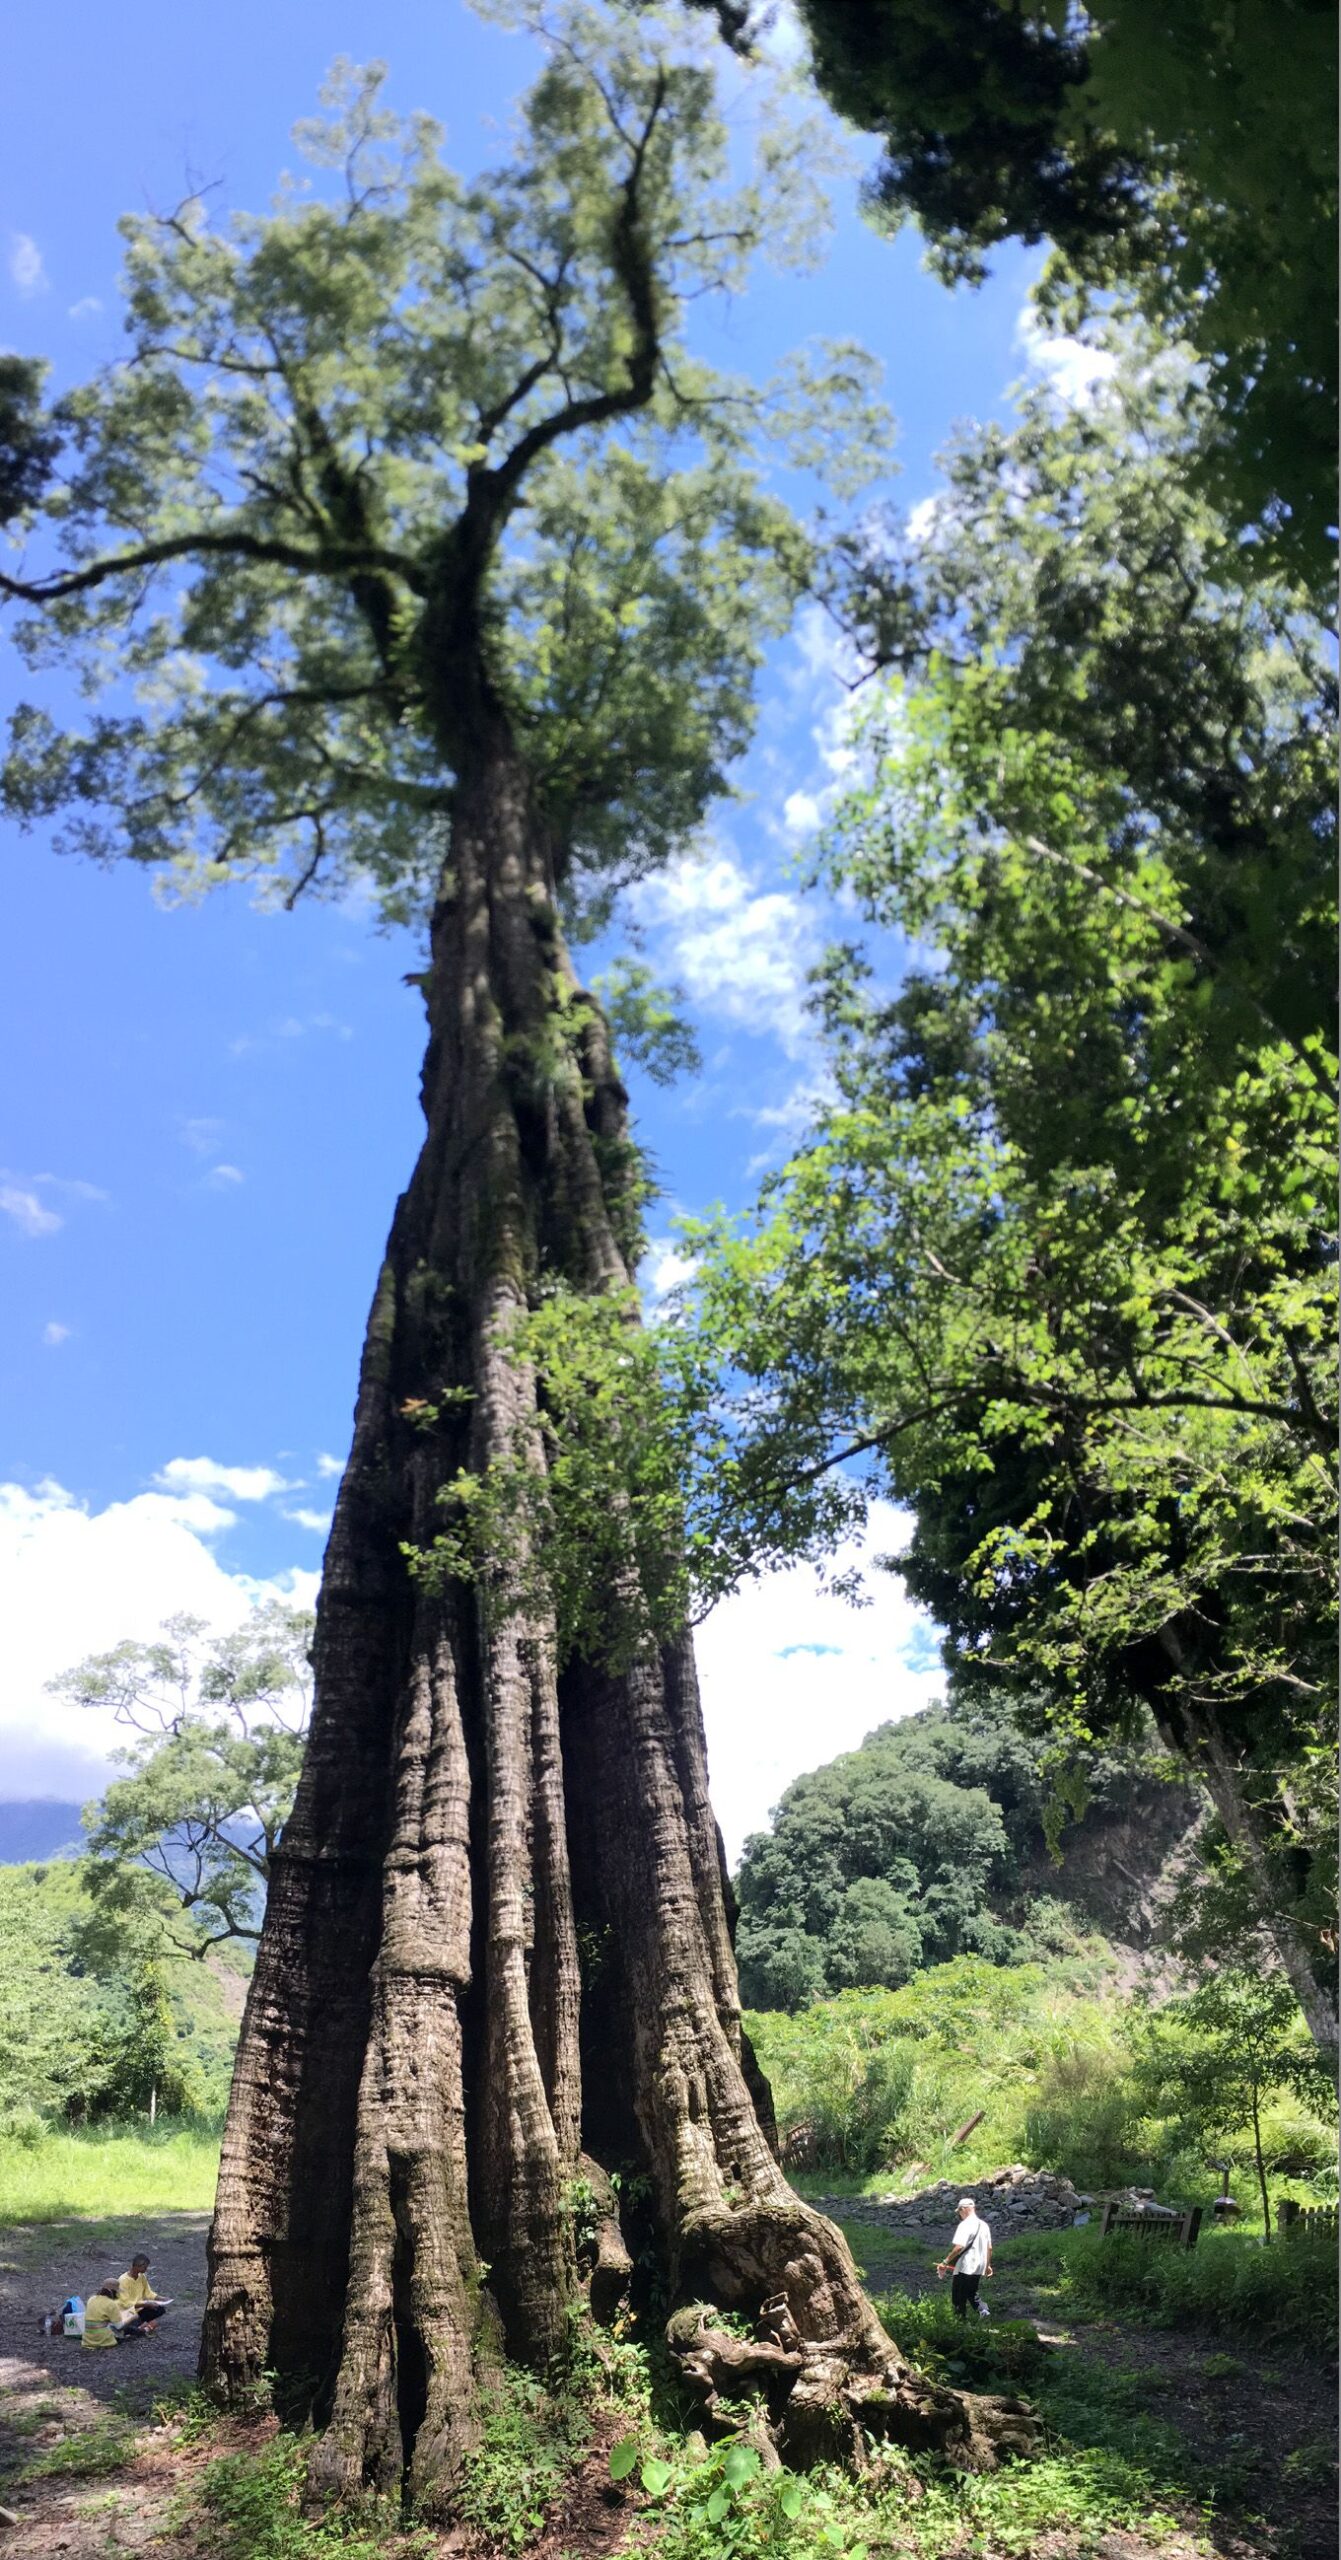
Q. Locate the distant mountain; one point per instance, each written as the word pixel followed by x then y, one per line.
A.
pixel 39 1828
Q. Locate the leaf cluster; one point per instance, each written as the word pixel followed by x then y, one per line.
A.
pixel 1180 160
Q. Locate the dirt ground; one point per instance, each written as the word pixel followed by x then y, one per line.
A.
pixel 1240 2426
pixel 56 2394
pixel 92 2471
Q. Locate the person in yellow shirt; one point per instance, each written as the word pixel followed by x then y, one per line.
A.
pixel 134 2287
pixel 104 2314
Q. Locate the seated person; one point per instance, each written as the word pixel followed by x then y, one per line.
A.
pixel 104 2316
pixel 136 2296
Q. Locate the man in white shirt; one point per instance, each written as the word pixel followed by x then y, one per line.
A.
pixel 968 2258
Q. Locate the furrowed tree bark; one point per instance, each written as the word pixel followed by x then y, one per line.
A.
pixel 425 2060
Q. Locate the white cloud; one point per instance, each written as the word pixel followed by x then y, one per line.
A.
pixel 791 1675
pixel 75 1582
pixel 225 1177
pixel 25 264
pixel 201 1136
pixel 1074 372
pixel 318 1520
pixel 30 1215
pixel 741 951
pixel 665 1268
pixel 205 1475
pixel 21 1199
pixel 802 814
pixel 329 1466
pixel 290 1026
pixel 921 519
pixel 55 1334
pixel 86 309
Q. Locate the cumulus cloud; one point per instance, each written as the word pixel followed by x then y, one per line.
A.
pixel 791 1675
pixel 75 1582
pixel 87 308
pixel 742 951
pixel 225 1177
pixel 29 1214
pixel 1074 372
pixel 329 1466
pixel 317 1520
pixel 55 1334
pixel 205 1475
pixel 25 264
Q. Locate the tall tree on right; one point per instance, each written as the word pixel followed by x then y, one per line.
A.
pixel 1183 158
pixel 1055 1265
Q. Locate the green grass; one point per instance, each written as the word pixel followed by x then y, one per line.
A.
pixel 106 2171
pixel 1285 2294
pixel 87 2453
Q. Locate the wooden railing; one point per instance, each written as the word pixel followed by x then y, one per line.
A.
pixel 1319 2219
pixel 1177 2230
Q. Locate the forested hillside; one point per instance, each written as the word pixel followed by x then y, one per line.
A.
pixel 944 1835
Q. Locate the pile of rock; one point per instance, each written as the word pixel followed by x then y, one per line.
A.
pixel 1013 2199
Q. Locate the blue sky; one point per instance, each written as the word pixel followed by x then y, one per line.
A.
pixel 208 1113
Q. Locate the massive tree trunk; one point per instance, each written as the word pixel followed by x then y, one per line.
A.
pixel 497 1941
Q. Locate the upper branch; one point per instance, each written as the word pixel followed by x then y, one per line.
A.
pixel 493 492
pixel 332 561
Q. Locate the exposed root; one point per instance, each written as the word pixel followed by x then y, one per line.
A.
pixel 827 2379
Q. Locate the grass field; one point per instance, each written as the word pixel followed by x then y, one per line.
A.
pixel 111 2169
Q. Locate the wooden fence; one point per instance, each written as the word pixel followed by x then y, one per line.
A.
pixel 1176 2230
pixel 1319 2219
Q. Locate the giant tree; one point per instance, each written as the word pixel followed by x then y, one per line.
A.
pixel 440 566
pixel 1057 1264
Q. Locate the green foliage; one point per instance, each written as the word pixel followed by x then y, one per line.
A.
pixel 1067 2074
pixel 723 2503
pixel 415 461
pixel 253 2505
pixel 1229 2282
pixel 1180 159
pixel 219 1725
pixel 1056 1262
pixel 84 2034
pixel 646 1023
pixel 1210 2061
pixel 905 1853
pixel 86 2453
pixel 885 2076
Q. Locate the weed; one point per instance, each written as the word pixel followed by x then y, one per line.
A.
pixel 1222 2368
pixel 253 2500
pixel 532 2438
pixel 1311 2466
pixel 92 2453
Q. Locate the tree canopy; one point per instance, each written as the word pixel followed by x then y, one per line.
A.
pixel 1182 159
pixel 405 427
pixel 219 1725
pixel 1056 1263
